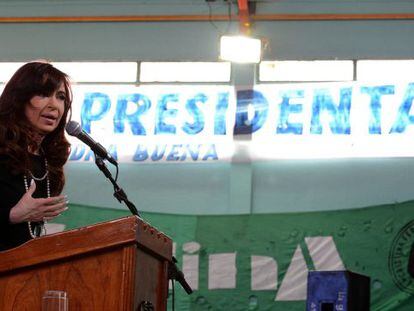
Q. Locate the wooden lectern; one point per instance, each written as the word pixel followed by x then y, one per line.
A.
pixel 116 265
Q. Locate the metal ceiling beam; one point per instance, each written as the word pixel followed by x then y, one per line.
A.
pixel 203 18
pixel 244 17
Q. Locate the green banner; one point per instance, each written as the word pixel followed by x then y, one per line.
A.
pixel 261 261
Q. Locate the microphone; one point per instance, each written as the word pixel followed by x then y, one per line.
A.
pixel 74 129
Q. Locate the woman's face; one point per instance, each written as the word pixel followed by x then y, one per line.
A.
pixel 44 113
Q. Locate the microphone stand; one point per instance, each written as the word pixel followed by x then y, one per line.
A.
pixel 119 193
pixel 175 274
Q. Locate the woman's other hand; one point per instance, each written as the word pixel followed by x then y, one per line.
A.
pixel 32 209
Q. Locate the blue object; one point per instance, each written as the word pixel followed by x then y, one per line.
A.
pixel 337 290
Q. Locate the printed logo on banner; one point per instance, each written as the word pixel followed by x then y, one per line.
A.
pixel 222 269
pixel 398 259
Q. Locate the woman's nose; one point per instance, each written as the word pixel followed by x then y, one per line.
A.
pixel 52 102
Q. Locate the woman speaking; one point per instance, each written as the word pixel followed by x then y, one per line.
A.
pixel 34 107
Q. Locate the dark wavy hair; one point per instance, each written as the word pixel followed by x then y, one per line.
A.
pixel 16 133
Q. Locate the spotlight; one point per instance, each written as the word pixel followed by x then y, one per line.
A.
pixel 240 49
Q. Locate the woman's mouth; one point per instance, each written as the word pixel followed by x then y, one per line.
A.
pixel 49 119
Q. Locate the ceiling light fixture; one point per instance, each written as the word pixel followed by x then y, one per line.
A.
pixel 242 48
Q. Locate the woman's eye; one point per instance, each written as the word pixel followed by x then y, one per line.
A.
pixel 61 97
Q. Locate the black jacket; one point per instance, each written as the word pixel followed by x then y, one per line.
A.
pixel 11 190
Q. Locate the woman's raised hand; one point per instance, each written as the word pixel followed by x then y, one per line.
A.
pixel 32 209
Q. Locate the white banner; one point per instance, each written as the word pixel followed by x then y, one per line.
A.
pixel 203 123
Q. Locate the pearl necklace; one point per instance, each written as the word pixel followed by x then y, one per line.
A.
pixel 26 186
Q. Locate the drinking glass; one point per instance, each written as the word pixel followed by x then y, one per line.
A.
pixel 55 300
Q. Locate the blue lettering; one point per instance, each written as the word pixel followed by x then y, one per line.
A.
pixel 404 118
pixel 76 153
pixel 89 156
pixel 112 150
pixel 141 154
pixel 255 99
pixel 340 123
pixel 193 150
pixel 80 150
pixel 376 93
pixel 94 107
pixel 220 116
pixel 211 153
pixel 157 155
pixel 286 108
pixel 174 153
pixel 142 103
pixel 194 111
pixel 162 113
